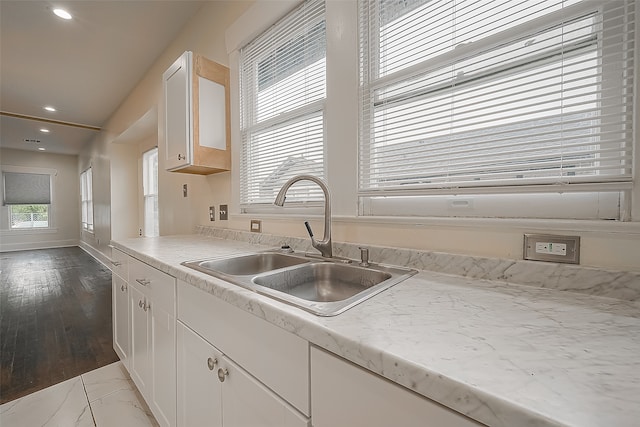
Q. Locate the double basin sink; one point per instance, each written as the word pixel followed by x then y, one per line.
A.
pixel 325 287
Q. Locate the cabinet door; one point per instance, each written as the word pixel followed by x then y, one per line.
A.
pixel 247 402
pixel 163 344
pixel 199 390
pixel 178 113
pixel 343 394
pixel 120 313
pixel 140 365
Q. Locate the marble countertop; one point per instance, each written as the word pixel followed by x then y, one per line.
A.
pixel 500 353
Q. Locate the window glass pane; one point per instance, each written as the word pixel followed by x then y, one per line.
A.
pixel 29 216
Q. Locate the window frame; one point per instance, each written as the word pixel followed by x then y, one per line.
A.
pixel 150 230
pixel 50 206
pixel 500 202
pixel 250 125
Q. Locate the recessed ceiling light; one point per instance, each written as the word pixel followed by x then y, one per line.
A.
pixel 62 13
pixel 41 148
pixel 50 108
pixel 43 130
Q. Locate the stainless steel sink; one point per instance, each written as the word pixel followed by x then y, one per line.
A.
pixel 248 264
pixel 324 287
pixel 322 282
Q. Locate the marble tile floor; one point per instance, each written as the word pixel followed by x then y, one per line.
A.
pixel 105 397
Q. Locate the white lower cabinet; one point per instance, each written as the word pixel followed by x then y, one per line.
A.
pixel 199 390
pixel 153 339
pixel 235 369
pixel 140 365
pixel 120 304
pixel 163 355
pixel 343 394
pixel 215 391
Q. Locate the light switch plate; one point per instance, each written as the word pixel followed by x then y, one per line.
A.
pixel 553 248
pixel 224 214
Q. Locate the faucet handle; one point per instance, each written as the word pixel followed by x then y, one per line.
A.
pixel 306 224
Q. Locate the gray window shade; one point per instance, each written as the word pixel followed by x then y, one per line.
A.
pixel 27 188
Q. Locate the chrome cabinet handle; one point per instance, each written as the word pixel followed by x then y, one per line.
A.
pixel 222 374
pixel 211 363
pixel 146 306
pixel 116 263
pixel 144 282
pixel 181 157
pixel 123 288
pixel 140 303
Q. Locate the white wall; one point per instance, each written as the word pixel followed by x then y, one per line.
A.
pixel 604 244
pixel 65 206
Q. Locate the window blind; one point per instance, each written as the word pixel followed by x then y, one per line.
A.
pixel 283 87
pixel 501 96
pixel 26 188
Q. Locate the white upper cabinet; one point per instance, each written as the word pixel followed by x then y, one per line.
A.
pixel 197 110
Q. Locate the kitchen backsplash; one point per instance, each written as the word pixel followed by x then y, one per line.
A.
pixel 623 285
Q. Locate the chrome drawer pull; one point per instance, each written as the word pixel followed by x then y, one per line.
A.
pixel 211 363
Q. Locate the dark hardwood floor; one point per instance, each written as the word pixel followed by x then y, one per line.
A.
pixel 55 318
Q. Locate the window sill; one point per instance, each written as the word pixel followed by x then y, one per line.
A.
pixel 28 231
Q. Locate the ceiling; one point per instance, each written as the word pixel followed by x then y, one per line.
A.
pixel 84 67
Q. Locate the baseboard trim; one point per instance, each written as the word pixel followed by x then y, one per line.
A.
pixel 99 256
pixel 27 246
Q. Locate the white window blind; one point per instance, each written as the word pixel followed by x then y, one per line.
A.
pixel 26 188
pixel 488 97
pixel 283 87
pixel 86 199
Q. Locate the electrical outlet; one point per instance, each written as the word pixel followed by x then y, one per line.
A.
pixel 224 215
pixel 212 213
pixel 184 190
pixel 554 248
pixel 256 225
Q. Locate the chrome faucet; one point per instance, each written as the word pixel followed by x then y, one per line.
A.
pixel 324 245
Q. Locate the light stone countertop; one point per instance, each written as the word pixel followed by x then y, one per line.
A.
pixel 502 354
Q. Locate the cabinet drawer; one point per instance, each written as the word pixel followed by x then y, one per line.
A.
pixel 348 395
pixel 277 358
pixel 120 264
pixel 158 286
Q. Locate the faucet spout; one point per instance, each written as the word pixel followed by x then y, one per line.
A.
pixel 324 245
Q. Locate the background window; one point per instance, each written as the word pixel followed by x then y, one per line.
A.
pixel 481 100
pixel 29 198
pixel 150 190
pixel 283 88
pixel 29 216
pixel 86 199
